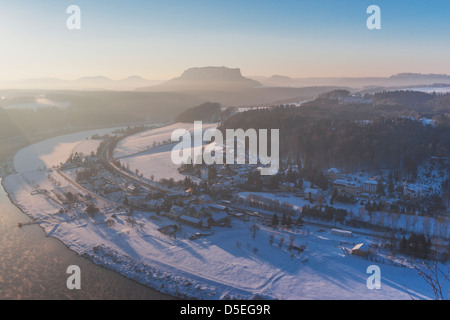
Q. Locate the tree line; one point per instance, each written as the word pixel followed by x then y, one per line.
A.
pixel 351 137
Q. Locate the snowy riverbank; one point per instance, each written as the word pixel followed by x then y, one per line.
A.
pixel 230 263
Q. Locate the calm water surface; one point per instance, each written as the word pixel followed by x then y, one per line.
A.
pixel 33 266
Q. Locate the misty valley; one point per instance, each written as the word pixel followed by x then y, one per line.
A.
pixel 148 182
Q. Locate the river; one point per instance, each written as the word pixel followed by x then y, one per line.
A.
pixel 33 266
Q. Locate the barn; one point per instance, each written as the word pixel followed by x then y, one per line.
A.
pixel 361 250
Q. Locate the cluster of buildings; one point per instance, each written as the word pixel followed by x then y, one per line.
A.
pixel 349 186
pixel 354 99
pixel 354 187
pixel 200 215
pixel 417 191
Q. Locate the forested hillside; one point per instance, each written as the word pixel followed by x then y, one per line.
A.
pixel 373 136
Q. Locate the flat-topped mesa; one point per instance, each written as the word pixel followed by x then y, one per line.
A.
pixel 213 73
pixel 208 78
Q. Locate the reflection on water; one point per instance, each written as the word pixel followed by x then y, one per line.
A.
pixel 33 266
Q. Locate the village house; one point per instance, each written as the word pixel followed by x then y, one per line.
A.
pixel 370 186
pixel 333 174
pixel 361 250
pixel 416 191
pixel 136 200
pixel 153 204
pixel 218 207
pixel 191 221
pixel 287 186
pixel 131 189
pixel 311 193
pixel 219 219
pixel 343 186
pixel 175 213
pixel 199 211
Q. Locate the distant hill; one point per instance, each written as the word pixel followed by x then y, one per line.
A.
pixel 280 81
pixel 421 76
pixel 395 81
pixel 230 88
pixel 84 83
pixel 207 79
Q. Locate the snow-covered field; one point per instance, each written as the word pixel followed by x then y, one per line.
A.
pixel 55 151
pixel 227 264
pixel 141 151
pixel 148 139
pixel 156 163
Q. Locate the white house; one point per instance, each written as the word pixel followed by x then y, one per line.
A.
pixel 314 193
pixel 416 191
pixel 370 186
pixel 361 249
pixel 333 174
pixel 345 186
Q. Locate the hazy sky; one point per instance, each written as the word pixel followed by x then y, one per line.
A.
pixel 160 39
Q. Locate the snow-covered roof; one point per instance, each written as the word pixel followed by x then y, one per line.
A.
pixel 153 202
pixel 219 216
pixel 216 206
pixel 361 247
pixel 288 184
pixel 343 182
pixel 311 190
pixel 341 232
pixel 418 187
pixel 190 219
pixel 333 170
pixel 176 209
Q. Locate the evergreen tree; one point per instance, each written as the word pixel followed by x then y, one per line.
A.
pixel 275 221
pixel 390 187
pixel 403 245
pixel 288 222
pixel 380 188
pixel 300 183
pixel 283 220
pixel 91 210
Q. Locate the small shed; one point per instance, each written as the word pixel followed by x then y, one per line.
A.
pixel 131 188
pixel 361 249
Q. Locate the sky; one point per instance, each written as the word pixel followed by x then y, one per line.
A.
pixel 160 39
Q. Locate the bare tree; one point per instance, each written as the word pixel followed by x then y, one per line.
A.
pixel 291 242
pixel 253 229
pixel 435 277
pixel 280 244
